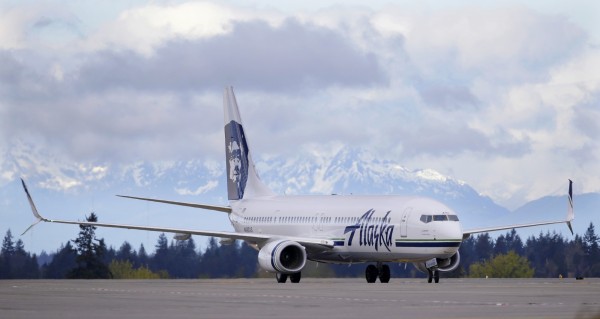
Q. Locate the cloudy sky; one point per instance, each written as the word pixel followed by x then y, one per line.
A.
pixel 502 95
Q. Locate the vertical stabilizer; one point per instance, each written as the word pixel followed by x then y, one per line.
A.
pixel 242 178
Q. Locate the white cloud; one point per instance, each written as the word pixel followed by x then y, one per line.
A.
pixel 143 29
pixel 200 190
pixel 487 93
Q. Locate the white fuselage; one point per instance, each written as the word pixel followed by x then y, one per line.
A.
pixel 363 228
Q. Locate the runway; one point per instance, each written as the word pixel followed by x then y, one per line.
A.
pixel 312 298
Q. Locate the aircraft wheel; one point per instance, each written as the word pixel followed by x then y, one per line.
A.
pixel 371 273
pixel 295 278
pixel 429 276
pixel 281 278
pixel 384 274
pixel 436 276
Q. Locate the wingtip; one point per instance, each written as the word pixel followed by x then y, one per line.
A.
pixel 32 205
pixel 570 210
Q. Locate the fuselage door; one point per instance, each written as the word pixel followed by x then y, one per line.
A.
pixel 404 222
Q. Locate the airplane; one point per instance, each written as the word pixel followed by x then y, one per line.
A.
pixel 345 229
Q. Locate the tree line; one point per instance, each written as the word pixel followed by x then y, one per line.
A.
pixel 545 255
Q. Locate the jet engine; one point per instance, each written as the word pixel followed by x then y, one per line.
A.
pixel 282 256
pixel 440 264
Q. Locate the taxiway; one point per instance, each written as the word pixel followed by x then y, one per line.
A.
pixel 312 298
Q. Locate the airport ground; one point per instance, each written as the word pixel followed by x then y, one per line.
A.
pixel 312 298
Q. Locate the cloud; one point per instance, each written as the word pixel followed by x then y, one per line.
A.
pixel 254 55
pixel 449 97
pixel 461 87
pixel 200 190
pixel 453 140
pixel 506 45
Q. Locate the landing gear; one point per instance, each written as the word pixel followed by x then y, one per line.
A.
pixel 380 271
pixel 371 273
pixel 281 278
pixel 294 278
pixel 433 276
pixel 384 274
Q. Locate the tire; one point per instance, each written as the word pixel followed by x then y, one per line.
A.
pixel 429 276
pixel 281 278
pixel 371 273
pixel 384 274
pixel 436 277
pixel 295 278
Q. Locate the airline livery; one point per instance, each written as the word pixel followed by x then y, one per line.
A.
pixel 289 230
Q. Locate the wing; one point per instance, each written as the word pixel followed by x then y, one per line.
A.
pixel 251 237
pixel 567 220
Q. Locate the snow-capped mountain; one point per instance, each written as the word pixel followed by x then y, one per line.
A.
pixel 348 171
pixel 356 171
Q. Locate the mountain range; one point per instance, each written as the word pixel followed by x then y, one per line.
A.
pixel 348 171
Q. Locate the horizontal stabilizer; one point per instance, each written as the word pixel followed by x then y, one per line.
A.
pixel 225 209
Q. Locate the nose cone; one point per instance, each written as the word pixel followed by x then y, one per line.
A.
pixel 450 230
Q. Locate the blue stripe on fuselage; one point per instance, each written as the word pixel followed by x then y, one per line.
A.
pixel 427 243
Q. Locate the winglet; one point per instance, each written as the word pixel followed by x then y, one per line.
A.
pixel 33 209
pixel 570 212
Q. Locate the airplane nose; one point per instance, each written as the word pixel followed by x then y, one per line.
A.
pixel 451 230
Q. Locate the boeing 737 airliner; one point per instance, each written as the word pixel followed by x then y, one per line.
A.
pixel 289 230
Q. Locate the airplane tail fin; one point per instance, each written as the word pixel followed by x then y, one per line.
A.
pixel 242 179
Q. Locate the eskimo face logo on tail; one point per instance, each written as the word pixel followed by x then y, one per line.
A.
pixel 236 150
pixel 373 231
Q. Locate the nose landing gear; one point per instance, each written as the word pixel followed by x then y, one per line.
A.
pixel 433 275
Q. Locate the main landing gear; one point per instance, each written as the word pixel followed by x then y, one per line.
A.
pixel 381 270
pixel 294 278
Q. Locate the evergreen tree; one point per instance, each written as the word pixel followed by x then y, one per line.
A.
pixel 8 246
pixel 514 243
pixel 248 260
pixel 142 257
pixel 592 251
pixel 500 246
pixel 210 263
pixel 161 255
pixel 89 261
pixel 183 259
pixel 6 253
pixel 62 262
pixel 15 262
pixel 576 257
pixel 547 254
pixel 468 255
pixel 126 253
pixel 484 247
pixel 23 264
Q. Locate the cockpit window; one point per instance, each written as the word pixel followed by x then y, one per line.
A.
pixel 440 218
pixel 426 218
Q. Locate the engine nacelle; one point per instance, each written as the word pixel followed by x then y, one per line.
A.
pixel 283 256
pixel 440 264
pixel 449 264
